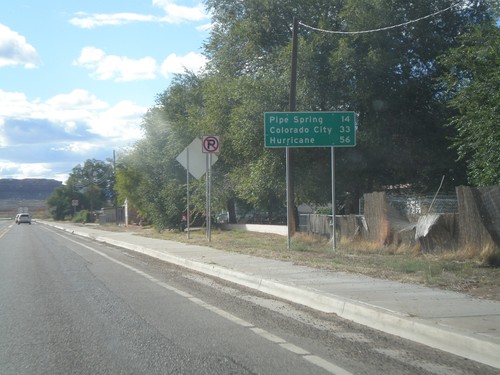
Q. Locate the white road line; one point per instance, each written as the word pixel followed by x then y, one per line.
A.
pixel 4 231
pixel 318 361
pixel 325 365
pixel 267 335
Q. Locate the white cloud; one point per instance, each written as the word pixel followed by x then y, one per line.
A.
pixel 33 170
pixel 117 68
pixel 14 104
pixel 6 166
pixel 76 114
pixel 62 131
pixel 121 68
pixel 3 139
pixel 177 13
pixel 65 110
pixel 77 147
pixel 89 21
pixel 68 110
pixel 119 122
pixel 24 170
pixel 174 14
pixel 14 50
pixel 90 56
pixel 205 28
pixel 77 98
pixel 174 64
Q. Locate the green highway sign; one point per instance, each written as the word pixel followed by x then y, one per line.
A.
pixel 310 129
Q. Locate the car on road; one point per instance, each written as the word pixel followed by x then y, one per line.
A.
pixel 23 218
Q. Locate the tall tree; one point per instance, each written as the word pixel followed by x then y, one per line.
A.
pixel 472 84
pixel 60 202
pixel 95 179
pixel 149 176
pixel 388 77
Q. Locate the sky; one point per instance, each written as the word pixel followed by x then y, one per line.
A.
pixel 77 76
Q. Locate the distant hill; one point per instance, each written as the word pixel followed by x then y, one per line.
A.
pixel 27 189
pixel 28 195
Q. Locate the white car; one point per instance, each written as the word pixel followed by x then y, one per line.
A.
pixel 23 218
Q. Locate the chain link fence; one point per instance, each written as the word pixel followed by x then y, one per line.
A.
pixel 412 206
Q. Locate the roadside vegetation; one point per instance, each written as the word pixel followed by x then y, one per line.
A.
pixel 425 94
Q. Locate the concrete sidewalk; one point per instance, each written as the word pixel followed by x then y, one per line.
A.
pixel 452 322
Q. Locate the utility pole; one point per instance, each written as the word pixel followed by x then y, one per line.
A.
pixel 116 197
pixel 290 189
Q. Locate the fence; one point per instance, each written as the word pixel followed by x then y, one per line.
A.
pixel 349 226
pixel 413 206
pixel 112 215
pixel 481 226
pixel 401 211
pixel 468 219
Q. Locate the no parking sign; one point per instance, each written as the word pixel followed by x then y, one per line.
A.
pixel 211 144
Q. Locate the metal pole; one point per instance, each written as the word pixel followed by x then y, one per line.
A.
pixel 334 239
pixel 209 218
pixel 187 194
pixel 290 190
pixel 206 196
pixel 288 217
pixel 116 197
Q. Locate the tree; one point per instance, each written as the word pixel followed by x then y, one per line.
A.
pixel 95 180
pixel 149 176
pixel 60 202
pixel 387 77
pixel 91 185
pixel 471 83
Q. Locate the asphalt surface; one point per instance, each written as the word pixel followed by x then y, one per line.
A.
pixel 452 322
pixel 74 306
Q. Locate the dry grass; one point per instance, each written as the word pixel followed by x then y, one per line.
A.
pixel 461 271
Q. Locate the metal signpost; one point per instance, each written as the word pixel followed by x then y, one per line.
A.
pixel 211 144
pixel 306 129
pixel 193 159
pixel 311 129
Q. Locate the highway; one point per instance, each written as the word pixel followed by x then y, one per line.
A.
pixel 70 305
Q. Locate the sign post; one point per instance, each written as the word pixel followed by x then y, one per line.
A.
pixel 192 158
pixel 210 144
pixel 311 129
pixel 74 204
pixel 188 214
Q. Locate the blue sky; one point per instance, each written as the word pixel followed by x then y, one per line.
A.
pixel 77 76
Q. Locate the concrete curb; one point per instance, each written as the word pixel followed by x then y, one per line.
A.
pixel 461 343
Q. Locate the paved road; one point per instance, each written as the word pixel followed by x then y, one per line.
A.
pixel 70 305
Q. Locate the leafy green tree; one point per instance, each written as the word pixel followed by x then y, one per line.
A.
pixel 388 77
pixel 471 83
pixel 95 180
pixel 60 202
pixel 128 179
pixel 149 176
pixel 91 185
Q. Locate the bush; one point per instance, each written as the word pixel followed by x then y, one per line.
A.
pixel 82 216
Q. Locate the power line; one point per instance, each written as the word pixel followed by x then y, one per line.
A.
pixel 382 28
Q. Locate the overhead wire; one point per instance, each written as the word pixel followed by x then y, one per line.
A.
pixel 381 28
